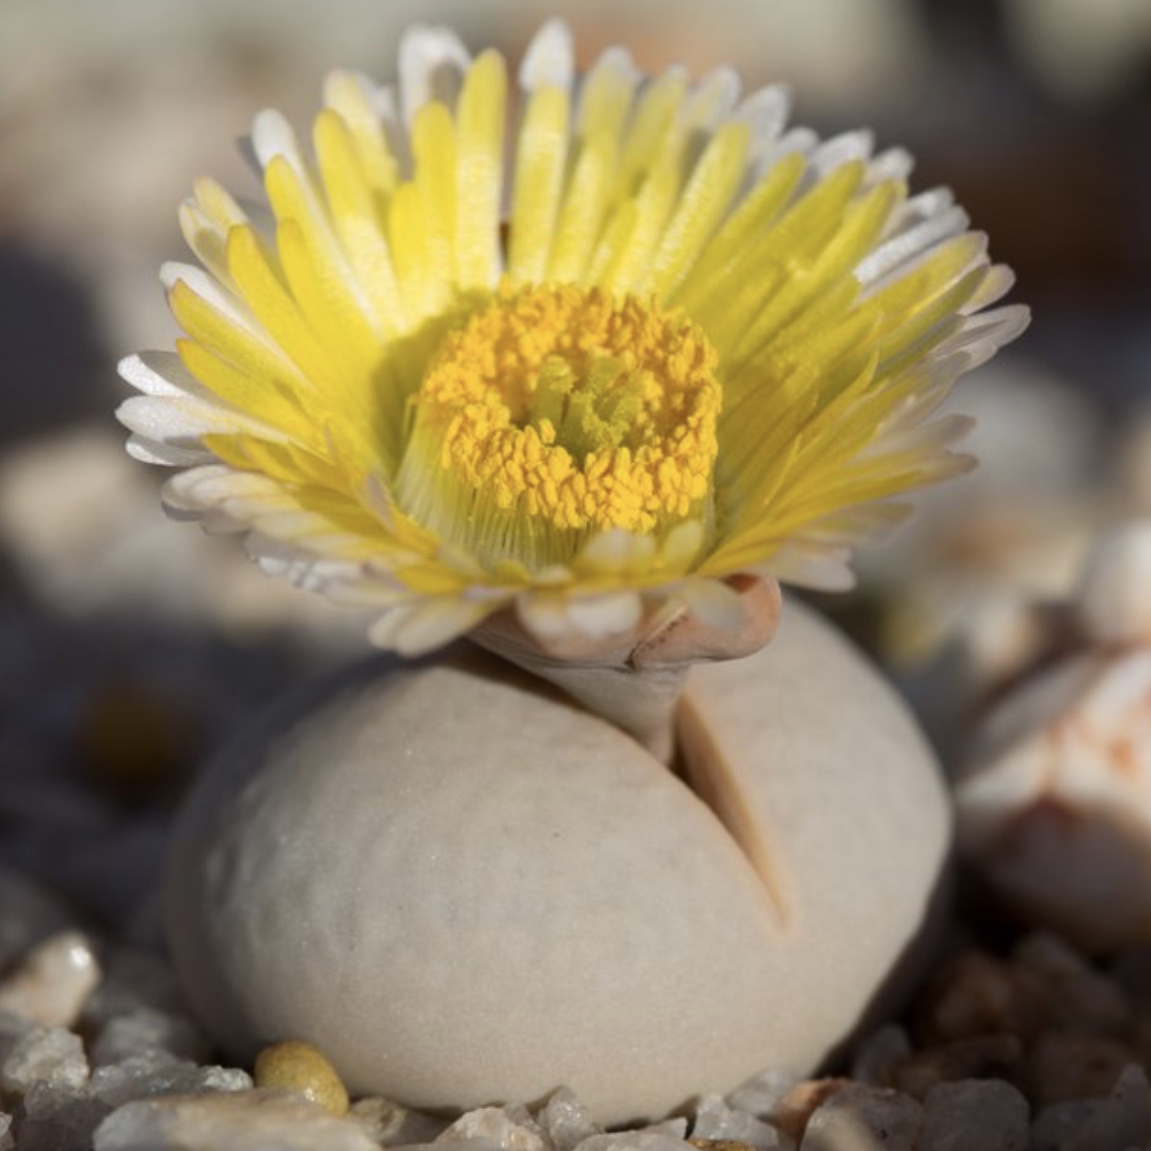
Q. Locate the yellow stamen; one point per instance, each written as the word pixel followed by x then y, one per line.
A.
pixel 575 410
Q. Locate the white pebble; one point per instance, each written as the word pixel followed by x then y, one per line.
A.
pixel 763 1093
pixel 240 1121
pixel 53 981
pixel 44 1053
pixel 715 1119
pixel 566 1120
pixel 1053 800
pixel 495 1124
pixel 391 1125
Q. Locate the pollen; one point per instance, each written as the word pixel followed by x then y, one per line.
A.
pixel 578 410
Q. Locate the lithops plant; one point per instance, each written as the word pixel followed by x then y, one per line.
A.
pixel 462 887
pixel 585 393
pixel 1054 795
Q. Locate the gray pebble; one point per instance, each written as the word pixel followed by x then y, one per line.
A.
pixel 762 1095
pixel 57 1117
pixel 891 1118
pixel 1080 996
pixel 566 1121
pixel 876 1056
pixel 980 1057
pixel 974 1115
pixel 1055 1125
pixel 1121 1121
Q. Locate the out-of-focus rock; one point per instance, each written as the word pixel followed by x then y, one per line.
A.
pixel 1084 50
pixel 52 983
pixel 974 1115
pixel 1054 789
pixel 83 524
pixel 891 1118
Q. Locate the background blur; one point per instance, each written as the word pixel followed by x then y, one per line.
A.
pixel 130 645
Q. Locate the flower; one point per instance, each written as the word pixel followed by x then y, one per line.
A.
pixel 641 341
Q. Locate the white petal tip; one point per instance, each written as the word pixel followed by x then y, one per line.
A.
pixel 549 59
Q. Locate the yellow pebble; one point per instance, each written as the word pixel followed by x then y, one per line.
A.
pixel 300 1067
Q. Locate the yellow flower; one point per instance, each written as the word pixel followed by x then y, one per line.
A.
pixel 640 341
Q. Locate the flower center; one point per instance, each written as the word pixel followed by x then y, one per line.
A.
pixel 568 407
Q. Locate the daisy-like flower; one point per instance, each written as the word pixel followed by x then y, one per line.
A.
pixel 585 352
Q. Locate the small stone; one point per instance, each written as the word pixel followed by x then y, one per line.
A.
pixel 566 1121
pixel 1080 997
pixel 974 1115
pixel 59 1117
pixel 391 1125
pixel 875 1057
pixel 1054 1126
pixel 762 1095
pixel 1071 1065
pixel 239 1121
pixel 979 995
pixel 297 1066
pixel 891 1118
pixel 798 1105
pixel 717 1122
pixel 634 1141
pixel 53 981
pixel 1122 1120
pixel 7 1141
pixel 510 1132
pixel 44 1053
pixel 157 1073
pixel 724 1144
pixel 981 1057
